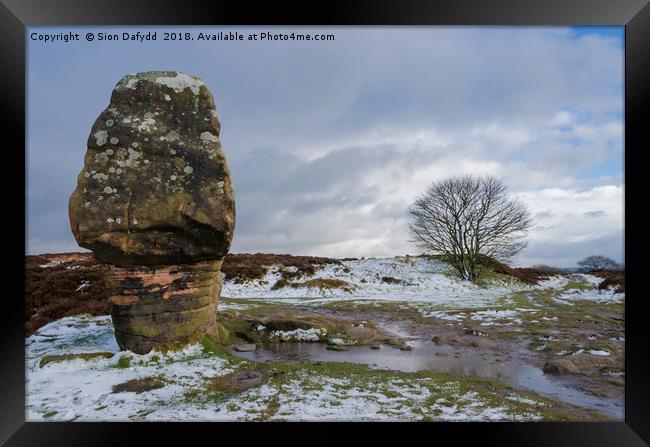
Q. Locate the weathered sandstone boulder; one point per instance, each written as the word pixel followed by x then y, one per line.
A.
pixel 155 203
pixel 155 187
pixel 164 305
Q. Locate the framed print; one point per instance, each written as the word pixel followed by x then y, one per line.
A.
pixel 364 213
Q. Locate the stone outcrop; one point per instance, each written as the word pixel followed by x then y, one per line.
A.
pixel 560 366
pixel 155 203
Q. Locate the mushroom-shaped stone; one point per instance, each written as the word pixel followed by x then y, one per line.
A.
pixel 155 203
pixel 155 187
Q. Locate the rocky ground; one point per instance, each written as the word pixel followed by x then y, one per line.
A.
pixel 385 340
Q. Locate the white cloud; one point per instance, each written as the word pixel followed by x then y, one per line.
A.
pixel 571 217
pixel 562 118
pixel 329 143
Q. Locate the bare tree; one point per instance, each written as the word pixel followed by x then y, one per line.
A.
pixel 599 262
pixel 469 219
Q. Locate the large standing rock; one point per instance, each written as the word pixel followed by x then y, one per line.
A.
pixel 155 202
pixel 155 188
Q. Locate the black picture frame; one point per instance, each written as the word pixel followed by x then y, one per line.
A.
pixel 16 15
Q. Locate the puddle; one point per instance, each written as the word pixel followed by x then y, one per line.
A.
pixel 466 361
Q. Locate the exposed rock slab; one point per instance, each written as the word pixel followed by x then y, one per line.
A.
pixel 561 366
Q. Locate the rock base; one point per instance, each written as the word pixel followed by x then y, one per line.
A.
pixel 163 305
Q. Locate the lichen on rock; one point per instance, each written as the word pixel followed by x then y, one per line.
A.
pixel 144 128
pixel 155 196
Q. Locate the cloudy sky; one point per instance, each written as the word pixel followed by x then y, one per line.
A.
pixel 330 142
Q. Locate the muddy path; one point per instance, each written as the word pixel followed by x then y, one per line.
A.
pixel 502 350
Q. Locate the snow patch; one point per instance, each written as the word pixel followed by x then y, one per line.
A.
pixel 312 334
pixel 423 281
pixel 180 82
pixel 51 264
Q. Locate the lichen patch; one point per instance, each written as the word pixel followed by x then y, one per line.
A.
pixel 100 137
pixel 180 82
pixel 172 135
pixel 207 137
pixel 146 125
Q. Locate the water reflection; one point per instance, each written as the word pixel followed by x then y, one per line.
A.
pixel 495 364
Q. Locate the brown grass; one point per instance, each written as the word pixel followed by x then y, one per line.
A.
pixel 534 275
pixel 51 292
pixel 85 356
pixel 318 283
pixel 323 283
pixel 138 385
pixel 611 278
pixel 526 275
pixel 244 267
pixel 391 280
pixel 235 382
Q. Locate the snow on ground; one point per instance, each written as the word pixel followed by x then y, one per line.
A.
pixel 235 307
pixel 496 317
pixel 51 264
pixel 460 316
pixel 524 400
pixel 71 335
pixel 599 352
pixel 554 282
pixel 593 294
pixel 313 334
pixel 428 286
pixel 340 341
pixel 413 279
pixel 334 399
pixel 82 390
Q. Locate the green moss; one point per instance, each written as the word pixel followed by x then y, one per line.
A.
pixel 232 407
pixel 211 345
pixel 64 357
pixel 237 327
pixel 581 285
pixel 124 362
pixel 49 414
pixel 223 333
pixel 188 328
pixel 139 385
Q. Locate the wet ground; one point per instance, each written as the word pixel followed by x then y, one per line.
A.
pixel 465 361
pixel 447 352
pixel 512 351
